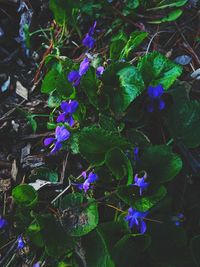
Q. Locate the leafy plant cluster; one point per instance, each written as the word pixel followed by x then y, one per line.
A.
pixel 130 123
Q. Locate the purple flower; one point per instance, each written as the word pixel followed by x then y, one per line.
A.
pixel 135 218
pixel 84 66
pixel 92 29
pixel 37 264
pixel 3 223
pixel 68 109
pixel 92 177
pixel 155 94
pixel 61 134
pixel 140 182
pixel 89 41
pixel 178 219
pixel 74 77
pixel 20 242
pixel 99 71
pixel 136 153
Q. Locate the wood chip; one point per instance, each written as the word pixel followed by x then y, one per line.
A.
pixel 21 90
pixel 5 184
pixel 25 152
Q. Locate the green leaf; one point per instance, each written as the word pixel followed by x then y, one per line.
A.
pixel 127 250
pixel 136 38
pixel 107 123
pixel 130 195
pixel 138 138
pixel 119 164
pixel 173 250
pixel 131 86
pixel 195 248
pixel 44 173
pixel 181 121
pixel 56 240
pixel 172 16
pixel 126 85
pixel 74 145
pixel 63 10
pixel 35 235
pixel 54 101
pixel 117 44
pixel 160 163
pixel 157 69
pixel 25 195
pixel 94 142
pixel 148 202
pixel 129 7
pixel 32 122
pixel 96 251
pixel 80 215
pixel 90 85
pixel 27 36
pixel 56 80
pixel 112 232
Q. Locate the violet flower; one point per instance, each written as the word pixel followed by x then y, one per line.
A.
pixel 99 71
pixel 61 134
pixel 155 96
pixel 3 223
pixel 136 218
pixel 20 242
pixel 84 66
pixel 91 178
pixel 136 153
pixel 89 41
pixel 75 76
pixel 68 109
pixel 140 182
pixel 178 219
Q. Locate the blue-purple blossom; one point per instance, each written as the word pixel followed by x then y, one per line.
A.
pixel 178 219
pixel 136 218
pixel 140 182
pixel 99 71
pixel 91 178
pixel 155 96
pixel 61 134
pixel 84 66
pixel 75 76
pixel 20 242
pixel 37 264
pixel 136 153
pixel 68 109
pixel 89 41
pixel 3 223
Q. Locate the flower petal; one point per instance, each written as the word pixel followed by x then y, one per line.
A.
pixel 57 147
pixel 84 66
pixel 91 30
pixel 62 133
pixel 142 227
pixel 161 104
pixel 88 41
pixel 61 117
pixel 99 71
pixel 92 177
pixel 74 77
pixel 48 141
pixel 84 174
